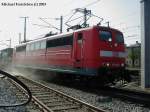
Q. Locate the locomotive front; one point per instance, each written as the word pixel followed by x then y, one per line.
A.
pixel 110 54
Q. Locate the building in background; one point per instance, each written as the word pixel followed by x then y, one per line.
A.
pixel 133 59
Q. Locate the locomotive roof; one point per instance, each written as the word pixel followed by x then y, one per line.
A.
pixel 6 49
pixel 46 38
pixel 96 26
pixel 67 34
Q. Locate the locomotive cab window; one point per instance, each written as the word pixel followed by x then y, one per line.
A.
pixel 105 36
pixel 119 38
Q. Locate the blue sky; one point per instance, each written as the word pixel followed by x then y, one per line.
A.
pixel 122 14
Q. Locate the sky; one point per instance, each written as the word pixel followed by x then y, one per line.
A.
pixel 122 14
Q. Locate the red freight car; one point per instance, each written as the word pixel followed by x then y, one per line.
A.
pixel 93 51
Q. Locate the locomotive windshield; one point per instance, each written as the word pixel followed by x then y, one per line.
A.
pixel 105 35
pixel 119 38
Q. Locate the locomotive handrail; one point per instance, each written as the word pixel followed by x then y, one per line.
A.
pixel 22 85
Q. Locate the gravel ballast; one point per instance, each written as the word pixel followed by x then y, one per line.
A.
pixel 103 102
pixel 8 97
pixel 98 100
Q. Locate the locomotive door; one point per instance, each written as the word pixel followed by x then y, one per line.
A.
pixel 79 50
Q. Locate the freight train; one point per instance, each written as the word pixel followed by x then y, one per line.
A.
pixel 95 51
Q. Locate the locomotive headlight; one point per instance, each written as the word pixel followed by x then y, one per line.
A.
pixel 122 64
pixel 107 64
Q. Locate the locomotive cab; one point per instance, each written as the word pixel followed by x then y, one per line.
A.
pixel 112 48
pixel 100 51
pixel 112 53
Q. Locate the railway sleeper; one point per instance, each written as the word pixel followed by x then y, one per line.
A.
pixel 65 108
pixel 41 93
pixel 50 100
pixel 59 104
pixel 47 96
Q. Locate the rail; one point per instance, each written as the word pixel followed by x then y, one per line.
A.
pixel 22 85
pixel 53 100
pixel 130 95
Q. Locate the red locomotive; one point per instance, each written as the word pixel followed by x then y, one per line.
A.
pixel 94 51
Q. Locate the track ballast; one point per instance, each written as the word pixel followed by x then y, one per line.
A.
pixel 51 100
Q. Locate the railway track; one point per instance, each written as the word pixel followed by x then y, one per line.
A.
pixel 128 94
pixel 50 100
pixel 20 96
pixel 131 95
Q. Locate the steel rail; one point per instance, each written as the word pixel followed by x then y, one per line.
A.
pixel 136 96
pixel 26 89
pixel 76 101
pixel 34 99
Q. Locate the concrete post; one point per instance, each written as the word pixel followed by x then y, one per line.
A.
pixel 61 24
pixel 145 46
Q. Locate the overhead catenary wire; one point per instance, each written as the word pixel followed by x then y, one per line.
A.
pixel 44 19
pixel 132 14
pixel 75 19
pixel 70 18
pixel 133 35
pixel 132 39
pixel 86 20
pixel 125 18
pixel 87 5
pixel 131 30
pixel 42 26
pixel 87 13
pixel 92 3
pixel 51 18
pixel 129 27
pixel 49 24
pixel 3 43
pixel 40 36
